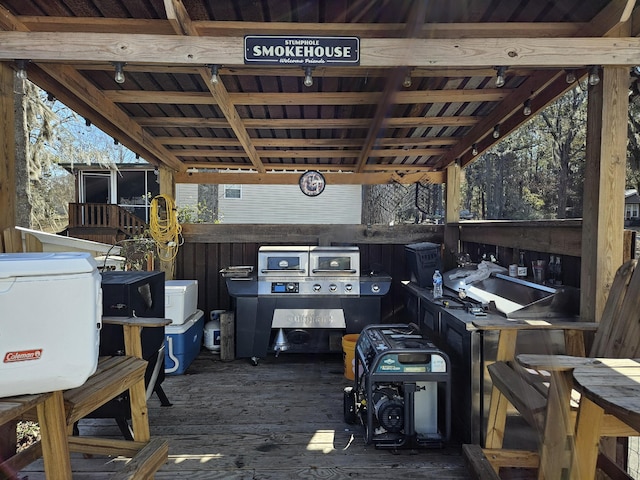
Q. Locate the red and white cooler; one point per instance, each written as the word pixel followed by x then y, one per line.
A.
pixel 50 320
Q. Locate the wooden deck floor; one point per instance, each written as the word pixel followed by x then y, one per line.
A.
pixel 282 419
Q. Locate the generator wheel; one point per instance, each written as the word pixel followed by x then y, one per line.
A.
pixel 349 404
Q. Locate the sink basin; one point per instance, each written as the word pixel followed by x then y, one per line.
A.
pixel 517 298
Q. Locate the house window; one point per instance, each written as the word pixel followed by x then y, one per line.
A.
pixel 233 191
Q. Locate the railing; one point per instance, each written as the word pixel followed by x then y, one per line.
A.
pixel 103 215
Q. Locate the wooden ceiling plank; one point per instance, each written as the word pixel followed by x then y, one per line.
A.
pixel 96 25
pixel 292 178
pixel 179 18
pixel 178 15
pixel 374 30
pixel 316 98
pixel 303 142
pixel 514 102
pixel 94 99
pixel 609 20
pixel 302 153
pixel 319 123
pixel 239 29
pixel 375 52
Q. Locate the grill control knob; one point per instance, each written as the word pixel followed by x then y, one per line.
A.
pixel 291 287
pixel 375 288
pixel 317 287
pixel 348 287
pixel 333 287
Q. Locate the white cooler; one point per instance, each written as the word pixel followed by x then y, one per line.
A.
pixel 180 300
pixel 50 320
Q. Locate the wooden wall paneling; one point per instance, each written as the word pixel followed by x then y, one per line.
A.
pixel 7 152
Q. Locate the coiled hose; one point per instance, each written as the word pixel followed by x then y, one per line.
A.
pixel 164 227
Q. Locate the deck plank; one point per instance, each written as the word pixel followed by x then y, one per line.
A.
pixel 279 420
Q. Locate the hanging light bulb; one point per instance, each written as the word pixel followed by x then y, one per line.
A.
pixel 214 75
pixel 308 79
pixel 570 77
pixel 526 111
pixel 87 123
pixel 51 97
pixel 474 149
pixel 496 131
pixel 21 73
pixel 500 76
pixel 115 141
pixel 119 76
pixel 594 76
pixel 406 83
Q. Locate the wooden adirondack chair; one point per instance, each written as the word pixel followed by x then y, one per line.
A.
pixel 540 386
pixel 113 376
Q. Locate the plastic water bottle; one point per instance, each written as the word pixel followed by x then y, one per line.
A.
pixel 437 284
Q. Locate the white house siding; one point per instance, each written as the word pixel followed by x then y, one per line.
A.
pixel 186 194
pixel 338 204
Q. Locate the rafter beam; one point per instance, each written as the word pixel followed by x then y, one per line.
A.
pixel 376 52
pixel 292 178
pixel 301 124
pixel 302 153
pixel 179 18
pixel 93 99
pixel 304 142
pixel 239 29
pixel 319 98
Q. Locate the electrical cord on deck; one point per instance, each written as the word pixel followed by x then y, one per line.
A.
pixel 164 227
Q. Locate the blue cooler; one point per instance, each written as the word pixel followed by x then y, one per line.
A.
pixel 182 343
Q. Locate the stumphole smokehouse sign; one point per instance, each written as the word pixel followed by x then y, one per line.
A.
pixel 304 51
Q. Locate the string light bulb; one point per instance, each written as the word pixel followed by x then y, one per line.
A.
pixel 406 83
pixel 496 131
pixel 526 110
pixel 474 149
pixel 308 79
pixel 21 73
pixel 119 75
pixel 500 76
pixel 87 123
pixel 214 75
pixel 594 76
pixel 570 77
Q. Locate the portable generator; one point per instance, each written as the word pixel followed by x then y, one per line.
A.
pixel 402 389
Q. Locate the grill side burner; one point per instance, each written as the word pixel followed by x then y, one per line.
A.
pixel 304 299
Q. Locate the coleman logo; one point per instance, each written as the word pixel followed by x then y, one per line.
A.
pixel 23 355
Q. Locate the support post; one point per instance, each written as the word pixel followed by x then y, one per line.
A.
pixel 604 183
pixel 452 216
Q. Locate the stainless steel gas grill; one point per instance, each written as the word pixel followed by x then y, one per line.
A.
pixel 303 299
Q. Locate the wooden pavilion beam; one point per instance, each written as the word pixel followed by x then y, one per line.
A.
pixel 375 52
pixel 87 96
pixel 305 142
pixel 304 153
pixel 179 19
pixel 239 29
pixel 292 178
pixel 315 98
pixel 294 123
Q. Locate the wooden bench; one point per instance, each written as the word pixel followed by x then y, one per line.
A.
pixel 113 376
pixel 540 386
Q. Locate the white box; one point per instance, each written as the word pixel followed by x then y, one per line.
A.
pixel 50 320
pixel 180 300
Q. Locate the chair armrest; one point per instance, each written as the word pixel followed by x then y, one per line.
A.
pixel 557 363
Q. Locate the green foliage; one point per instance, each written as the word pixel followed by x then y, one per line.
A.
pixel 536 172
pixel 137 251
pixel 200 213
